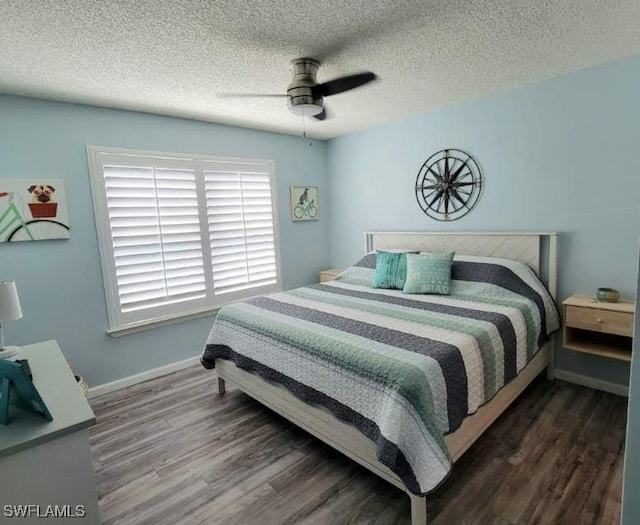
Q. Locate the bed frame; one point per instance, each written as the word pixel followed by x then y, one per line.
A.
pixel 537 249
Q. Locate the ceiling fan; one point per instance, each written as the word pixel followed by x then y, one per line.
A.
pixel 305 97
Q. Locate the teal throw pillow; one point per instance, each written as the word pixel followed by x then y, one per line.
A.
pixel 391 270
pixel 429 273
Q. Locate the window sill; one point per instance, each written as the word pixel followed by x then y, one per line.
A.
pixel 162 321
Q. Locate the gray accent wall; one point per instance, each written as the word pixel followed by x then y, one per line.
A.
pixel 60 282
pixel 631 487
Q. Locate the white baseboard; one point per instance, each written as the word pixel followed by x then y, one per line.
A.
pixel 598 384
pixel 141 377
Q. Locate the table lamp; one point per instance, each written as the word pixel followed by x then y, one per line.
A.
pixel 9 311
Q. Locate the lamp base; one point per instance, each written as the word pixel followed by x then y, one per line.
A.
pixel 9 351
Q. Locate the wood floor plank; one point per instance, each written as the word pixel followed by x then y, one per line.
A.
pixel 172 451
pixel 170 505
pixel 350 504
pixel 300 490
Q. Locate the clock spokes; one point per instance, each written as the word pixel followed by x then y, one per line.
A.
pixel 430 187
pixel 436 198
pixel 446 166
pixel 436 175
pixel 456 174
pixel 460 184
pixel 428 195
pixel 448 185
pixel 457 197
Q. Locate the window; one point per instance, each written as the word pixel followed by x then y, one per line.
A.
pixel 181 235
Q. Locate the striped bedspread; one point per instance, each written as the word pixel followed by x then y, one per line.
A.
pixel 404 369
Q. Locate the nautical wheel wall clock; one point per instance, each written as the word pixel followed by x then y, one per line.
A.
pixel 448 185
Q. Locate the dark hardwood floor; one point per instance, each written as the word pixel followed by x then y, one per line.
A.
pixel 171 451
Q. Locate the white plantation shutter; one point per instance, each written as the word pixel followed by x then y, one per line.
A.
pixel 155 230
pixel 181 235
pixel 241 230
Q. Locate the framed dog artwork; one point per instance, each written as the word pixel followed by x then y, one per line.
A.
pixel 33 210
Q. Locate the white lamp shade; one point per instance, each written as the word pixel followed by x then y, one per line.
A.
pixel 9 303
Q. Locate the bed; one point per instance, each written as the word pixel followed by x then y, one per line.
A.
pixel 402 384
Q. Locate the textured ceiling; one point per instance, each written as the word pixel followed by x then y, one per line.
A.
pixel 175 57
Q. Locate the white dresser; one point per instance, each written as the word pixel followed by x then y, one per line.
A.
pixel 46 467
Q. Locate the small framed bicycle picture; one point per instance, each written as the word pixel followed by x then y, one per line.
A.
pixel 304 203
pixel 33 210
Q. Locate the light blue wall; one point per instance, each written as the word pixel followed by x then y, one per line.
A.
pixel 60 282
pixel 557 155
pixel 630 500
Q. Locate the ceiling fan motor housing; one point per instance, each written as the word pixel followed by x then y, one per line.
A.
pixel 301 99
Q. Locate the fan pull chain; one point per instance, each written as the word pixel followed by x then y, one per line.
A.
pixel 304 129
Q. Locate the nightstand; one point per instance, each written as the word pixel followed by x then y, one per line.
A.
pixel 604 329
pixel 329 275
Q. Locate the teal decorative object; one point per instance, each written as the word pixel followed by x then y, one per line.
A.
pixel 391 270
pixel 429 273
pixel 16 388
pixel 608 295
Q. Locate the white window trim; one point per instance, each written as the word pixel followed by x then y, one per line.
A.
pixel 105 241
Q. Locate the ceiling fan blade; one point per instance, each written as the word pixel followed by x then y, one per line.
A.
pixel 342 84
pixel 322 115
pixel 250 95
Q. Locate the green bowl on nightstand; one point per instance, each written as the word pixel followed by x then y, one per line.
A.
pixel 607 295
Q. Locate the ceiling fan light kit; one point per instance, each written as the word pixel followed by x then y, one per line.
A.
pixel 301 100
pixel 305 109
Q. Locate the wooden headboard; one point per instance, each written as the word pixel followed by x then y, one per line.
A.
pixel 525 247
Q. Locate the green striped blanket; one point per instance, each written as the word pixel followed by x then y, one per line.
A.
pixel 404 369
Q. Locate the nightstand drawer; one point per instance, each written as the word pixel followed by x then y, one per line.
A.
pixel 609 322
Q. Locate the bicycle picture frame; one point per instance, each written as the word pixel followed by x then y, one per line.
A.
pixel 305 204
pixel 33 209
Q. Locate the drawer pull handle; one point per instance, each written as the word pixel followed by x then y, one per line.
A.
pixel 598 320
